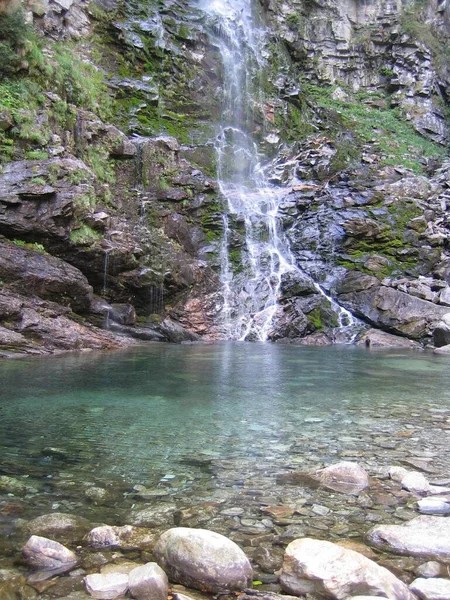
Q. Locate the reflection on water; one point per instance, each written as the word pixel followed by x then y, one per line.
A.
pixel 138 417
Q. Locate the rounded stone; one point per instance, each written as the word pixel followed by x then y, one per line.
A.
pixel 43 553
pixel 433 506
pixel 431 589
pixel 203 560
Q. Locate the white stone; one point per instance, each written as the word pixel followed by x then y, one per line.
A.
pixel 433 506
pixel 326 569
pixel 203 560
pixel 106 587
pixel 425 536
pixel 47 554
pixel 148 581
pixel 415 482
pixel 431 589
pixel 397 473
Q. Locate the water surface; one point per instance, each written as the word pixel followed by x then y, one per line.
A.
pixel 210 422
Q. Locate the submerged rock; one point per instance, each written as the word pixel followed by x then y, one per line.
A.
pixel 126 537
pixel 58 525
pixel 423 536
pixel 345 477
pixel 203 560
pixel 326 569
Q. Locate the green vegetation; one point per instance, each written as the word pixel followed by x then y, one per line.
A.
pixel 36 155
pixel 98 159
pixel 384 128
pixel 84 235
pixel 31 246
pixel 14 33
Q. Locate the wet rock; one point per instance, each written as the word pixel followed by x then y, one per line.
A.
pixel 375 338
pixel 203 560
pixel 43 553
pixel 345 477
pixel 148 581
pixel 431 589
pixel 176 333
pixel 195 516
pixel 425 536
pixel 106 587
pixel 126 537
pixel 434 506
pixel 11 485
pixel 97 495
pixel 12 590
pixel 58 526
pixel 325 569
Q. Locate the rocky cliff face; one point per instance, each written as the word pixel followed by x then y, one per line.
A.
pixel 109 208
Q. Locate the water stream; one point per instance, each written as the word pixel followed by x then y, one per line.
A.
pixel 251 296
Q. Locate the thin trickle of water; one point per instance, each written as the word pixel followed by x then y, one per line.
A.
pixel 105 271
pixel 156 299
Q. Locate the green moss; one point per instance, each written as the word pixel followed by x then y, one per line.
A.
pixel 315 319
pixel 36 155
pixel 384 128
pixel 31 246
pixel 98 159
pixel 84 235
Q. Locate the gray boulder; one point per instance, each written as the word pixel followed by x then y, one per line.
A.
pixel 126 537
pixel 203 560
pixel 326 569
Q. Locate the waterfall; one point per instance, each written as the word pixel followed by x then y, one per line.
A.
pixel 250 297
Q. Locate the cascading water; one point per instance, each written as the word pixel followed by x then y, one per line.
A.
pixel 250 297
pixel 249 303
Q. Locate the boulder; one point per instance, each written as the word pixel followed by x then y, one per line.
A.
pixel 48 277
pixel 345 477
pixel 376 338
pixel 203 560
pixel 43 553
pixel 389 308
pixel 106 586
pixel 148 581
pixel 431 589
pixel 326 569
pixel 426 536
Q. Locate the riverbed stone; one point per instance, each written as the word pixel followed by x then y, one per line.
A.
pixel 203 560
pixel 106 586
pixel 427 536
pixel 415 482
pixel 322 568
pixel 434 506
pixel 126 537
pixel 43 553
pixel 58 526
pixel 431 569
pixel 153 516
pixel 148 581
pixel 345 477
pixel 431 589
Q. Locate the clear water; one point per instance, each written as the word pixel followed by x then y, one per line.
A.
pixel 244 412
